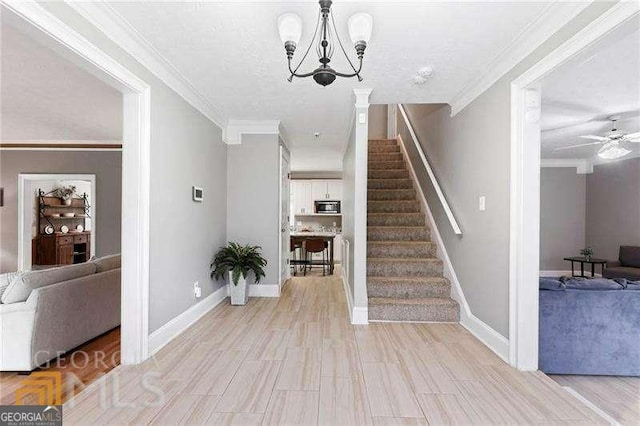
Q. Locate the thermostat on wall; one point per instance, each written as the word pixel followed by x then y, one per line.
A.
pixel 198 194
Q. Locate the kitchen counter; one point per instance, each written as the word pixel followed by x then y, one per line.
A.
pixel 320 234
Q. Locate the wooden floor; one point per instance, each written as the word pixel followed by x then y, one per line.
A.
pixel 79 367
pixel 298 360
pixel 619 397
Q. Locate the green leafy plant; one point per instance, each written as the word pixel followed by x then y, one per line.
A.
pixel 239 260
pixel 587 252
pixel 64 192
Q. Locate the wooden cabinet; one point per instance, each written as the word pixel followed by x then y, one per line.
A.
pixel 327 189
pixel 62 249
pixel 301 197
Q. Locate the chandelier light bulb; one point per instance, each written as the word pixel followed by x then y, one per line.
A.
pixel 360 27
pixel 290 28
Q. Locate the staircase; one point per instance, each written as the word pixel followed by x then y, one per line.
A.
pixel 404 276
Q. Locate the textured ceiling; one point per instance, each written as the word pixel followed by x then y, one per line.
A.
pixel 578 97
pixel 232 54
pixel 46 97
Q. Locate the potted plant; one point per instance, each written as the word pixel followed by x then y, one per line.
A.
pixel 237 261
pixel 587 252
pixel 65 193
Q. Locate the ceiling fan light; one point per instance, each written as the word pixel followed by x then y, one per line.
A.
pixel 612 150
pixel 290 28
pixel 360 27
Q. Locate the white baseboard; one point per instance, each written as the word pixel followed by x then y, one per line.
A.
pixel 177 325
pixel 487 335
pixel 565 273
pixel 264 290
pixel 360 315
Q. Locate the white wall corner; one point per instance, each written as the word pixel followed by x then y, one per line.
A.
pixel 234 130
pixel 117 29
pixel 553 18
pixel 179 324
pixel 487 335
pixel 583 165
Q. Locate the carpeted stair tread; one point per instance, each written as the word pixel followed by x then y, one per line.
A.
pixel 391 194
pixel 389 174
pixel 432 309
pixel 403 183
pixel 398 233
pixel 404 267
pixel 387 165
pixel 384 156
pixel 408 288
pixel 381 149
pixel 410 249
pixel 393 206
pixel 396 219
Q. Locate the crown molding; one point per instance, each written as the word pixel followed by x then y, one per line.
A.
pixel 117 29
pixel 553 18
pixel 583 165
pixel 236 128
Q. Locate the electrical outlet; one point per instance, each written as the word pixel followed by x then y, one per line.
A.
pixel 482 203
pixel 197 291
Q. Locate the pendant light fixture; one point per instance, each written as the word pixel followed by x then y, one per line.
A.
pixel 290 28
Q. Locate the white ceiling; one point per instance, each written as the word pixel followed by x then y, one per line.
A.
pixel 232 54
pixel 578 97
pixel 46 97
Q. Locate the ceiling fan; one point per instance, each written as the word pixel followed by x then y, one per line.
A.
pixel 611 148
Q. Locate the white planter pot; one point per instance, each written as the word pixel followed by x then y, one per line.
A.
pixel 239 293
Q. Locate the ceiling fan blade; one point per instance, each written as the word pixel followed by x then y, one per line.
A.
pixel 632 137
pixel 598 138
pixel 577 146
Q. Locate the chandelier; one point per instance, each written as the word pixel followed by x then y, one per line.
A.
pixel 290 28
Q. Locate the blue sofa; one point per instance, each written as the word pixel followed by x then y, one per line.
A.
pixel 589 326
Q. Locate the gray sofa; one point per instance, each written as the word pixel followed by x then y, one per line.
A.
pixel 46 313
pixel 589 326
pixel 627 266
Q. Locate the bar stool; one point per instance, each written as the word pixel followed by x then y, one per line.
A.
pixel 295 244
pixel 311 246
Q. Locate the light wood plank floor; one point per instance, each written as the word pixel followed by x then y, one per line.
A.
pixel 619 397
pixel 79 367
pixel 298 360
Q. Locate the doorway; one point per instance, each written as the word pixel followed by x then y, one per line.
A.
pixel 285 170
pixel 525 183
pixel 47 29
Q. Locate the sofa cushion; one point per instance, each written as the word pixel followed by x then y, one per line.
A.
pixel 627 272
pixel 22 285
pixel 630 256
pixel 107 263
pixel 5 280
pixel 577 283
pixel 553 284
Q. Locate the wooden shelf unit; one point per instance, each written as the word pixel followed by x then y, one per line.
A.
pixel 60 248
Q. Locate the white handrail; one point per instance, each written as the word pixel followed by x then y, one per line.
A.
pixel 432 176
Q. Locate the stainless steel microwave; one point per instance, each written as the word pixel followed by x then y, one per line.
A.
pixel 327 207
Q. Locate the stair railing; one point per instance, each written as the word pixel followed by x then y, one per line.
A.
pixel 432 176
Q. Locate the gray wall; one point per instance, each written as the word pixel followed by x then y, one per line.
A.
pixel 253 213
pixel 562 216
pixel 613 207
pixel 470 155
pixel 186 150
pixel 107 166
pixel 378 121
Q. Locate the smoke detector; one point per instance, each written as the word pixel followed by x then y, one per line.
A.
pixel 422 75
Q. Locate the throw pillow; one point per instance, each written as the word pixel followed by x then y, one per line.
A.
pixel 5 280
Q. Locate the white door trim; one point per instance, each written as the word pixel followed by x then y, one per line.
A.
pixel 284 156
pixel 135 167
pixel 23 178
pixel 525 185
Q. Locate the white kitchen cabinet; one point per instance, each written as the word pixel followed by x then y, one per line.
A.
pixel 326 189
pixel 301 197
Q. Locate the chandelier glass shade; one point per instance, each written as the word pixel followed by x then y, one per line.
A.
pixel 327 40
pixel 612 150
